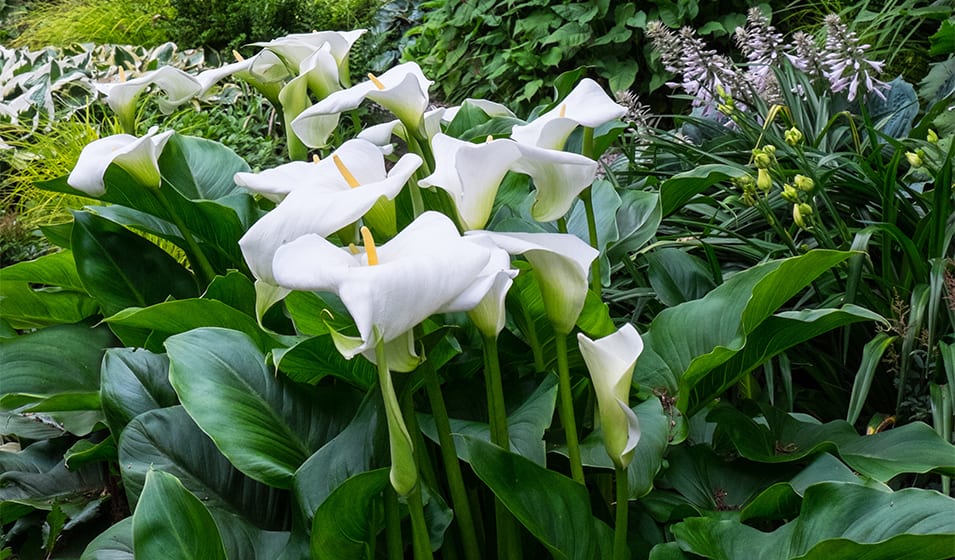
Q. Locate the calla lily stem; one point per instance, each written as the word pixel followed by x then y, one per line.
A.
pixel 620 521
pixel 452 469
pixel 419 527
pixel 393 525
pixel 567 408
pixel 587 197
pixel 197 258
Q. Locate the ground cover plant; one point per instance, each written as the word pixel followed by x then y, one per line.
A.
pixel 470 332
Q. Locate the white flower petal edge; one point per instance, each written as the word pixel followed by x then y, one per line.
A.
pixel 427 257
pixel 611 360
pixel 404 92
pixel 586 105
pixel 138 156
pixel 321 211
pixel 563 262
pixel 121 96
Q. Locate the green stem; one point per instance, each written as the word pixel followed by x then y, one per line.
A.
pixel 393 525
pixel 562 225
pixel 419 527
pixel 567 408
pixel 197 258
pixel 587 146
pixel 587 197
pixel 497 412
pixel 452 468
pixel 531 333
pixel 620 522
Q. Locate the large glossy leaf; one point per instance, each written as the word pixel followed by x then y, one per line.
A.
pixel 168 440
pixel 553 508
pixel 647 457
pixel 344 525
pixel 355 450
pixel 266 425
pixel 59 359
pixel 173 317
pixel 525 425
pixel 200 169
pixel 134 381
pixel 689 341
pixel 677 276
pixel 912 448
pixel 28 307
pixel 638 218
pixel 42 490
pixel 837 521
pixel 170 522
pixel 121 269
pixel 315 358
pixel 775 335
pixel 115 543
pixel 676 190
pixel 56 269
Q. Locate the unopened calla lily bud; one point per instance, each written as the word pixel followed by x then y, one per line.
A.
pixel 611 360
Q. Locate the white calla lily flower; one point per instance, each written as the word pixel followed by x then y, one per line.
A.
pixel 472 173
pixel 489 315
pixel 381 134
pixel 427 268
pixel 563 263
pixel 611 360
pixel 403 90
pixel 319 198
pixel 121 97
pixel 586 105
pixel 138 156
pixel 295 48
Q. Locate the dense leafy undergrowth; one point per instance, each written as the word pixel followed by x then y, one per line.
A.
pixel 471 333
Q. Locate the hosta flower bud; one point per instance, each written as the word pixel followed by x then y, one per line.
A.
pixel 932 136
pixel 793 136
pixel 762 159
pixel 790 194
pixel 764 181
pixel 769 149
pixel 915 159
pixel 801 212
pixel 803 183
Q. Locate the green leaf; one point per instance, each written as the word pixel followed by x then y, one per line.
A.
pixel 266 426
pixel 133 381
pixel 121 269
pixel 56 269
pixel 170 522
pixel 836 521
pixel 637 221
pixel 553 508
pixel 351 452
pixel 167 439
pixel 235 290
pixel 115 543
pixel 345 524
pixel 943 40
pixel 680 188
pixel 569 36
pixel 173 317
pixel 677 276
pixel 525 425
pixel 60 359
pixel 912 448
pixel 27 307
pixel 315 358
pixel 200 169
pixel 732 311
pixel 775 335
pixel 871 358
pixel 43 490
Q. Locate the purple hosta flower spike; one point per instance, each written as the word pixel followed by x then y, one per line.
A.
pixel 843 62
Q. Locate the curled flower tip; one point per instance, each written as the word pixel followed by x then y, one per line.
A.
pixel 376 81
pixel 349 178
pixel 370 250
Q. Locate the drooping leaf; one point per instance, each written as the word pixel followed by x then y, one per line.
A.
pixel 552 507
pixel 343 524
pixel 134 381
pixel 676 190
pixel 115 543
pixel 58 359
pixel 27 307
pixel 121 269
pixel 266 425
pixel 170 522
pixel 836 521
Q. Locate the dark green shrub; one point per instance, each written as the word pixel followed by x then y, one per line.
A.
pixel 514 50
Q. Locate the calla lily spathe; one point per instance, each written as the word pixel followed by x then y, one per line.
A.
pixel 121 97
pixel 563 263
pixel 403 90
pixel 427 268
pixel 611 360
pixel 138 156
pixel 295 48
pixel 318 198
pixel 586 105
pixel 381 134
pixel 471 174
